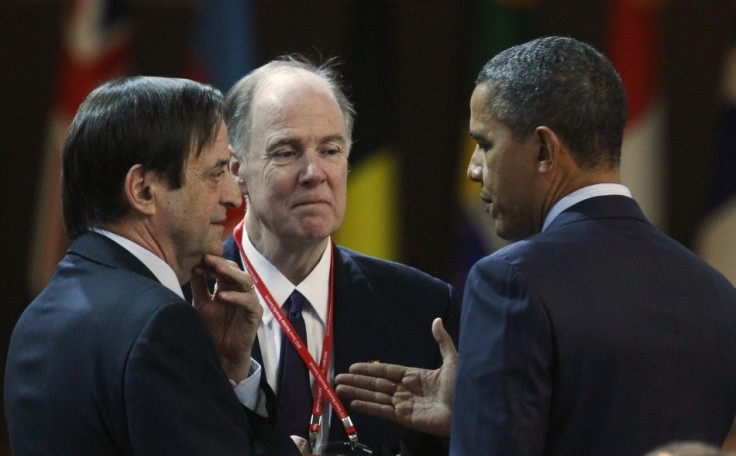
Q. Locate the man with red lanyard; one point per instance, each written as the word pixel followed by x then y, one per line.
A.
pixel 290 130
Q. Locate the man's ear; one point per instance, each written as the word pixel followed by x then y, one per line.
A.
pixel 550 148
pixel 140 189
pixel 234 167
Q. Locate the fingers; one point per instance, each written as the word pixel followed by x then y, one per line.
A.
pixel 352 394
pixel 447 347
pixel 366 388
pixel 198 286
pixel 392 372
pixel 233 286
pixel 228 274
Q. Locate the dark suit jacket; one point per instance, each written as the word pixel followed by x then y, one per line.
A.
pixel 384 311
pixel 106 360
pixel 599 336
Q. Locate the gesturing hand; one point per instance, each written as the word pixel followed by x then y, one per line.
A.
pixel 231 314
pixel 420 399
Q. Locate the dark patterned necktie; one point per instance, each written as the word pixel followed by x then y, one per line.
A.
pixel 294 390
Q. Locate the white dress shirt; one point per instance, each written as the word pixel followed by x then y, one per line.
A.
pixel 582 194
pixel 248 389
pixel 315 288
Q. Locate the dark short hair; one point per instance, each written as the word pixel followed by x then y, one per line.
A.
pixel 152 121
pixel 239 100
pixel 563 84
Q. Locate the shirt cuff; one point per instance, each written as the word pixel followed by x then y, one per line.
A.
pixel 247 391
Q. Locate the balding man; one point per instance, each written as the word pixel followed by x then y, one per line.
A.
pixel 290 128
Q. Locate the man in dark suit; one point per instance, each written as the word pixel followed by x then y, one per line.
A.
pixel 593 334
pixel 290 128
pixel 109 358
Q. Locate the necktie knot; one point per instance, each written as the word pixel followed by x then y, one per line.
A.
pixel 294 305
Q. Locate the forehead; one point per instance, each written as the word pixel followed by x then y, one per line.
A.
pixel 480 116
pixel 294 100
pixel 213 153
pixel 480 100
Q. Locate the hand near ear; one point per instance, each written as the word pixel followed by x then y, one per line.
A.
pixel 420 399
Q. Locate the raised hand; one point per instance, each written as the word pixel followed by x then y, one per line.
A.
pixel 232 313
pixel 420 399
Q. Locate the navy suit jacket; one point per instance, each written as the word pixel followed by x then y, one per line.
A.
pixel 106 360
pixel 384 311
pixel 599 336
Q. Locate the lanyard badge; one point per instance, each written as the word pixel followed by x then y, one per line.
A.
pixel 318 372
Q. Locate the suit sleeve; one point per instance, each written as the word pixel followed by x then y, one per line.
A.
pixel 503 384
pixel 451 319
pixel 178 399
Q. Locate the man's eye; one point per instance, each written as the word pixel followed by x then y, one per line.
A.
pixel 218 175
pixel 283 154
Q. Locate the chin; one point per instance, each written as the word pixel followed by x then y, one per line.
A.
pixel 215 249
pixel 317 230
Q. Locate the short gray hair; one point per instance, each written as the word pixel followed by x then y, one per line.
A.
pixel 566 85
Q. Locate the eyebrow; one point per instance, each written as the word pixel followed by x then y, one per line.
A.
pixel 339 138
pixel 294 142
pixel 219 164
pixel 478 137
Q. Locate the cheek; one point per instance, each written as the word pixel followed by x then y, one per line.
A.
pixel 489 179
pixel 269 186
pixel 339 185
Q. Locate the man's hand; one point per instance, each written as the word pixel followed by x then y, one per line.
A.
pixel 231 314
pixel 420 399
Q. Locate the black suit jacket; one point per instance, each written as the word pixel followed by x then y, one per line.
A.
pixel 384 311
pixel 106 360
pixel 599 336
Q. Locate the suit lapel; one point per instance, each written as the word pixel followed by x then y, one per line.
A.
pixel 355 301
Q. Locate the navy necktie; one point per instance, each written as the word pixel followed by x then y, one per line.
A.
pixel 294 390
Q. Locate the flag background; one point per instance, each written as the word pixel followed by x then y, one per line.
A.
pixel 409 67
pixel 716 234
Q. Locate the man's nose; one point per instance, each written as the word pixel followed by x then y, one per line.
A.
pixel 313 170
pixel 231 196
pixel 475 167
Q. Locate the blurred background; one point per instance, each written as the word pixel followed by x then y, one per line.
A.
pixel 409 68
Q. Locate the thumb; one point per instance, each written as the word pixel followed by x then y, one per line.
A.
pixel 447 347
pixel 199 288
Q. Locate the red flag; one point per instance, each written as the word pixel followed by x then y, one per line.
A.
pixel 94 48
pixel 635 50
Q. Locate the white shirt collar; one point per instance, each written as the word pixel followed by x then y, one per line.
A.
pixel 315 287
pixel 582 194
pixel 163 272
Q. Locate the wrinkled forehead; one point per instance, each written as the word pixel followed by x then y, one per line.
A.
pixel 296 100
pixel 290 87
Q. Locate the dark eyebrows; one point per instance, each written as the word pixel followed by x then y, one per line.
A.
pixel 477 137
pixel 220 163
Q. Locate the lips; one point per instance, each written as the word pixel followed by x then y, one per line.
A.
pixel 310 202
pixel 487 202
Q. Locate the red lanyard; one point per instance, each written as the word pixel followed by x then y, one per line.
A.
pixel 318 372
